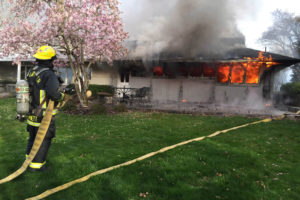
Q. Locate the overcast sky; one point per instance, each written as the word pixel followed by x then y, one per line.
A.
pixel 251 25
pixel 254 26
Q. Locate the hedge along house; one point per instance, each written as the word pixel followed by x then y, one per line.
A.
pixel 241 80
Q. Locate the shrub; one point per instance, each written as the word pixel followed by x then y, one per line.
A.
pixel 97 88
pixel 98 109
pixel 70 106
pixel 101 88
pixel 121 108
pixel 291 92
pixel 291 88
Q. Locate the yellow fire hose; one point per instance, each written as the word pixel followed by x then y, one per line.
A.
pixel 102 171
pixel 43 130
pixel 38 139
pixel 36 145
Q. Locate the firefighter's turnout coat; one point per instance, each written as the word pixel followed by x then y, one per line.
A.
pixel 43 86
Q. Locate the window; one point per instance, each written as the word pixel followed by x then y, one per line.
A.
pixel 237 73
pixel 124 77
pixel 66 74
pixel 252 74
pixel 223 73
pixel 209 71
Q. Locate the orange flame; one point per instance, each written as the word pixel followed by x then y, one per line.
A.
pixel 223 73
pixel 244 72
pixel 261 59
pixel 237 74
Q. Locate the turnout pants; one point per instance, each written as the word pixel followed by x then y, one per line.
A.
pixel 40 158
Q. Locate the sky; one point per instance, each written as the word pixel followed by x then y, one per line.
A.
pixel 252 25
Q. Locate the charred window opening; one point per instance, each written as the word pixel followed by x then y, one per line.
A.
pixel 158 71
pixel 209 71
pixel 137 69
pixel 183 69
pixel 225 73
pixel 196 71
pixel 124 77
pixel 186 70
pixel 171 70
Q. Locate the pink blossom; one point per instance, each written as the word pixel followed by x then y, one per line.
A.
pixel 88 30
pixel 93 23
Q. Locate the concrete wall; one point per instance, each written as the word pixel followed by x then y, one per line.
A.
pixel 200 91
pixel 165 90
pixel 139 82
pixel 251 96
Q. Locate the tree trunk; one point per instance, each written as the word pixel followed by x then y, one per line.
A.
pixel 80 77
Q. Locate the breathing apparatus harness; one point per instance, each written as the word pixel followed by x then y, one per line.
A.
pixel 24 91
pixel 25 102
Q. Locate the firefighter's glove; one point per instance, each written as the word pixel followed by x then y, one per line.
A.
pixel 69 91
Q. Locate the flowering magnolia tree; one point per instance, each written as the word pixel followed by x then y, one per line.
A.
pixel 85 31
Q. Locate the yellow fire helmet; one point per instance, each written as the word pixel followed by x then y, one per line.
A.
pixel 45 53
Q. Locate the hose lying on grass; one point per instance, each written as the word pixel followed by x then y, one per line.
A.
pixel 102 171
pixel 38 139
pixel 36 145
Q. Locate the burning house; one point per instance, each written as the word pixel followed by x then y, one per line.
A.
pixel 190 55
pixel 241 80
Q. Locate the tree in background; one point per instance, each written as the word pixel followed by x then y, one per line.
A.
pixel 283 37
pixel 84 31
pixel 296 70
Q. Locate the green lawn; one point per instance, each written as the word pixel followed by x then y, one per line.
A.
pixel 258 162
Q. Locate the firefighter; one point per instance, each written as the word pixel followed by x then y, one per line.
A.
pixel 43 86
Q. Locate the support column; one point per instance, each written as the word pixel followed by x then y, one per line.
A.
pixel 19 71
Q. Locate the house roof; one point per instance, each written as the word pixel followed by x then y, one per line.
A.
pixel 240 53
pixel 12 58
pixel 234 55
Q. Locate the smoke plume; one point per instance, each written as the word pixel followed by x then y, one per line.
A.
pixel 187 27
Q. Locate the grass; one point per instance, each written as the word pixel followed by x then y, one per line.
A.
pixel 258 162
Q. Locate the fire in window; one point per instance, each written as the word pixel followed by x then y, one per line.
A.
pixel 124 77
pixel 209 71
pixel 223 73
pixel 253 71
pixel 158 71
pixel 237 73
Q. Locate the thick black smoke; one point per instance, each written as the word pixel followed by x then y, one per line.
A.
pixel 189 27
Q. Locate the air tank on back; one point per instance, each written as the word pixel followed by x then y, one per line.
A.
pixel 22 95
